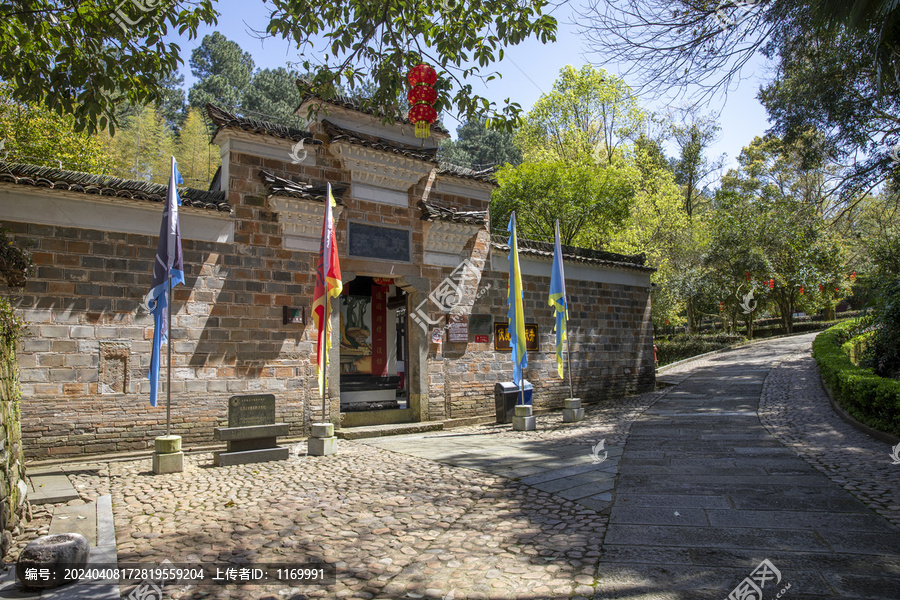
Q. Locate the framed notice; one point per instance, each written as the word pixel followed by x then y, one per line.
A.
pixel 458 328
pixel 501 337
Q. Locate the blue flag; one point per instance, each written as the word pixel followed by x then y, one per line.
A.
pixel 516 312
pixel 558 300
pixel 168 265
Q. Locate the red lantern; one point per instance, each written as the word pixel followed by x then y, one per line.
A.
pixel 837 290
pixel 821 287
pixel 421 96
pixel 747 275
pixel 421 93
pixel 801 290
pixel 853 276
pixel 771 284
pixel 667 321
pixel 721 306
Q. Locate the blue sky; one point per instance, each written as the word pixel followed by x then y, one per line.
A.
pixel 528 70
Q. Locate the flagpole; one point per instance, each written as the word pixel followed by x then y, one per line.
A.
pixel 569 361
pixel 325 418
pixel 169 356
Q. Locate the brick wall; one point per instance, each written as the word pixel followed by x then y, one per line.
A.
pixel 610 335
pixel 85 360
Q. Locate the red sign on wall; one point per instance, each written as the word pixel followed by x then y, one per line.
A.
pixel 379 330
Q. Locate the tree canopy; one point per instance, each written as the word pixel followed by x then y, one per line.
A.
pixel 88 58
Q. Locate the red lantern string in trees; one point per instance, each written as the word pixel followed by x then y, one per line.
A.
pixel 801 290
pixel 421 96
pixel 747 275
pixel 771 284
pixel 837 290
pixel 853 276
pixel 721 307
pixel 821 287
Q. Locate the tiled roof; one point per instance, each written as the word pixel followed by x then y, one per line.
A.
pixel 226 120
pixel 339 134
pixel 104 185
pixel 584 255
pixel 352 103
pixel 486 175
pixel 278 186
pixel 431 212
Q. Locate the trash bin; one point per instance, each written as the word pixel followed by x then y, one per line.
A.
pixel 506 396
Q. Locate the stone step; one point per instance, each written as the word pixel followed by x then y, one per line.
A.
pixel 359 433
pixel 51 487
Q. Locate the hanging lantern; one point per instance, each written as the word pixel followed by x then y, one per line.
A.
pixel 853 276
pixel 747 275
pixel 721 307
pixel 771 284
pixel 421 96
pixel 821 287
pixel 801 290
pixel 837 290
pixel 667 321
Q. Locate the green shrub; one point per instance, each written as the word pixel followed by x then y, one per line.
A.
pixel 686 345
pixel 868 398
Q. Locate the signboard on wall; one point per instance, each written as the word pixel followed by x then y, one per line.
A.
pixel 458 328
pixel 371 241
pixel 501 337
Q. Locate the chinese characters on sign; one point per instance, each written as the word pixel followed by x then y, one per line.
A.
pixel 501 337
pixel 379 330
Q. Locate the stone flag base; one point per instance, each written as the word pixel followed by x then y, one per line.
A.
pixel 572 413
pixel 523 421
pixel 167 456
pixel 322 442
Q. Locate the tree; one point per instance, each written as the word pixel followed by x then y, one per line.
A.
pixel 656 226
pixel 828 83
pixel 835 66
pixel 478 147
pixel 197 159
pixel 589 111
pixel 143 148
pixel 765 204
pixel 381 41
pixel 31 133
pixel 589 202
pixel 273 95
pixel 223 71
pixel 694 134
pixel 695 47
pixel 87 58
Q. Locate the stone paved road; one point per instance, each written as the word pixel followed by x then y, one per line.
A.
pixel 703 492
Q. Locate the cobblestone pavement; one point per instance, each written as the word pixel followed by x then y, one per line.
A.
pixel 703 493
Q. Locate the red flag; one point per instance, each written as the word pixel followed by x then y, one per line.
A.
pixel 328 285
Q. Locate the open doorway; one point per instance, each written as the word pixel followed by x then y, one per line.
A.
pixel 373 346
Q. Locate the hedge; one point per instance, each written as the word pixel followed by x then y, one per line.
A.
pixel 686 345
pixel 868 398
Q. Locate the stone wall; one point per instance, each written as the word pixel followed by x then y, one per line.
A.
pixel 13 490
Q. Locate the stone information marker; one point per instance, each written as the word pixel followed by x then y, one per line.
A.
pixel 251 435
